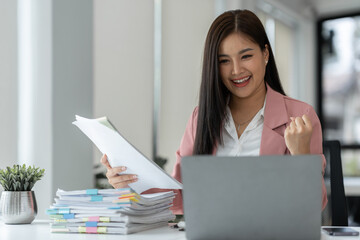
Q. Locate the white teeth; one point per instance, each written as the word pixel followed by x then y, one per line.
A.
pixel 241 80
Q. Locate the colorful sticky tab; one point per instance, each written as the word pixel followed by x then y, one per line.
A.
pixel 91 224
pixel 85 219
pixel 93 219
pixel 101 229
pixel 123 205
pixel 61 205
pixel 96 198
pixel 64 210
pixel 51 211
pixel 58 226
pixel 69 216
pixel 91 191
pixel 60 220
pixel 129 195
pixel 91 230
pixel 104 219
pixel 57 216
pixel 123 189
pixel 82 229
pixel 114 208
pixel 58 211
pixel 121 192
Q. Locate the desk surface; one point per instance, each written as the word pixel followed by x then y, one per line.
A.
pixel 40 230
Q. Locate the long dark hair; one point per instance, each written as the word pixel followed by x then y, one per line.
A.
pixel 213 93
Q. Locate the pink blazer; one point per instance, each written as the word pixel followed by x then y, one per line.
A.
pixel 278 110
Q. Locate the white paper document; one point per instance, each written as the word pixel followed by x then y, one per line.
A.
pixel 121 153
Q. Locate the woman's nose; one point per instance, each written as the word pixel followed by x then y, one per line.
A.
pixel 237 68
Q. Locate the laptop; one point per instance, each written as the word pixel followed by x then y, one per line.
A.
pixel 264 197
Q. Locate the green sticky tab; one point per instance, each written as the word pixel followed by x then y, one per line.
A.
pixel 96 198
pixel 58 226
pixel 91 191
pixel 101 229
pixel 51 211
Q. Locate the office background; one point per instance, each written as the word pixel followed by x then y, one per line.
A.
pixel 137 62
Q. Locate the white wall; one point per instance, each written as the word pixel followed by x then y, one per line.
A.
pixel 8 82
pixel 123 68
pixel 184 28
pixel 56 87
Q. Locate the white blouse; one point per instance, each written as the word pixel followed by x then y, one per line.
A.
pixel 249 142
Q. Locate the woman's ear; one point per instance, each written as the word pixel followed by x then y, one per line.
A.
pixel 266 53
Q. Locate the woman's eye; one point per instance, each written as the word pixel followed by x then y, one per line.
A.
pixel 246 56
pixel 223 61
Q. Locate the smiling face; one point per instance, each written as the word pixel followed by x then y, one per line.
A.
pixel 242 66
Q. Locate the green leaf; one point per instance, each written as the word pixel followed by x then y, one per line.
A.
pixel 20 177
pixel 26 185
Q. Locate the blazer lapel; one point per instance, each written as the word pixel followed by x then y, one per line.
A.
pixel 272 143
pixel 275 120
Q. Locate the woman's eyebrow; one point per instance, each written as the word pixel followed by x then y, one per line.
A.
pixel 240 52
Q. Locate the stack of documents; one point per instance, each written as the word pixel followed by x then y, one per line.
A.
pixel 114 211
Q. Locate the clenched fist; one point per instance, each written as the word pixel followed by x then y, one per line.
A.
pixel 298 135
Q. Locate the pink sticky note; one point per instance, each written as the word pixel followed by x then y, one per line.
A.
pixel 94 219
pixel 91 230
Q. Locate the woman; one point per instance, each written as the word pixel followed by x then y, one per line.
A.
pixel 243 109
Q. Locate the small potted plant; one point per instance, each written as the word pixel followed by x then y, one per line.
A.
pixel 18 203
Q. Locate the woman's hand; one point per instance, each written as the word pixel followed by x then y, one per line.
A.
pixel 298 135
pixel 116 180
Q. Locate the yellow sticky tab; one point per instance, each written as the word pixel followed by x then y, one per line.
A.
pixel 126 195
pixel 134 199
pixel 101 229
pixel 82 229
pixel 130 195
pixel 104 219
pixel 60 220
pixel 85 219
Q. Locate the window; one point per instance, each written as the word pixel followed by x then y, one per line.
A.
pixel 339 85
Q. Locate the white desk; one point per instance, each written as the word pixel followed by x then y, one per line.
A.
pixel 40 230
